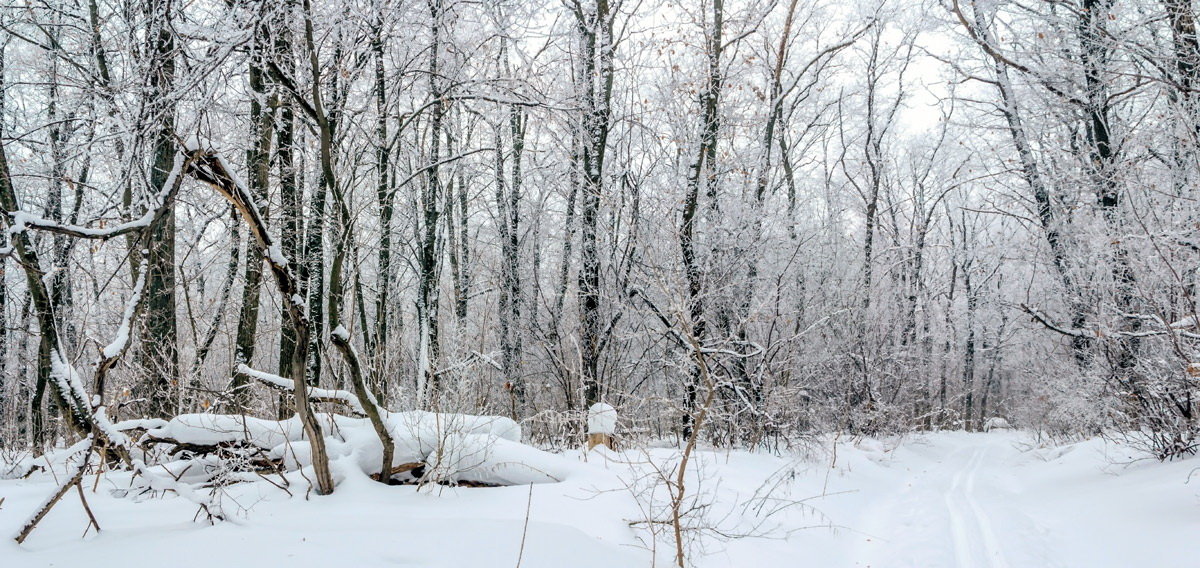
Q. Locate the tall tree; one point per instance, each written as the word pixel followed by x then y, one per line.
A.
pixel 701 173
pixel 429 249
pixel 594 83
pixel 1040 188
pixel 290 194
pixel 161 354
pixel 385 196
pixel 258 163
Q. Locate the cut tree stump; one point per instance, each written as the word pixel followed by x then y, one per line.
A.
pixel 598 439
pixel 601 423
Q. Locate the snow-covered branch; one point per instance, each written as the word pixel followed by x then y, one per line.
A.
pixel 1174 328
pixel 22 220
pixel 315 394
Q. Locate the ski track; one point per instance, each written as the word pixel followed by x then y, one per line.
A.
pixel 984 549
pixel 978 528
pixel 964 551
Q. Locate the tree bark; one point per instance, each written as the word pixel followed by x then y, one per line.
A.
pixel 429 251
pixel 594 78
pixel 258 162
pixel 161 353
pixel 508 205
pixel 378 346
pixel 290 195
pixel 701 172
pixel 1104 171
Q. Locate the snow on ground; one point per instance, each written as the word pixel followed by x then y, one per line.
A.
pixel 933 500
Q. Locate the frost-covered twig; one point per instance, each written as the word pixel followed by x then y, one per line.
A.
pixel 121 341
pixel 1048 323
pixel 160 482
pixel 111 354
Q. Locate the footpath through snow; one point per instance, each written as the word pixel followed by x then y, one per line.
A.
pixel 933 500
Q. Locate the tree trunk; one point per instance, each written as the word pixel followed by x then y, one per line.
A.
pixel 429 253
pixel 508 202
pixel 378 347
pixel 314 246
pixel 458 239
pixel 1106 178
pixel 968 371
pixel 594 78
pixel 258 162
pixel 161 354
pixel 702 172
pixel 290 195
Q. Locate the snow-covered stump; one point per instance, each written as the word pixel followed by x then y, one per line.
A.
pixel 601 423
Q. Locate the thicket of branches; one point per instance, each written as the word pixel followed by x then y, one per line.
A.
pixel 862 217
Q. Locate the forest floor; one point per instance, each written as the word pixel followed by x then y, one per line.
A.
pixel 947 499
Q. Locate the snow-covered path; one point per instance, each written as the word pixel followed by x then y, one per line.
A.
pixel 988 501
pixel 975 541
pixel 956 511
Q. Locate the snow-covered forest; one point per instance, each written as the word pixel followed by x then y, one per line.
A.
pixel 653 263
